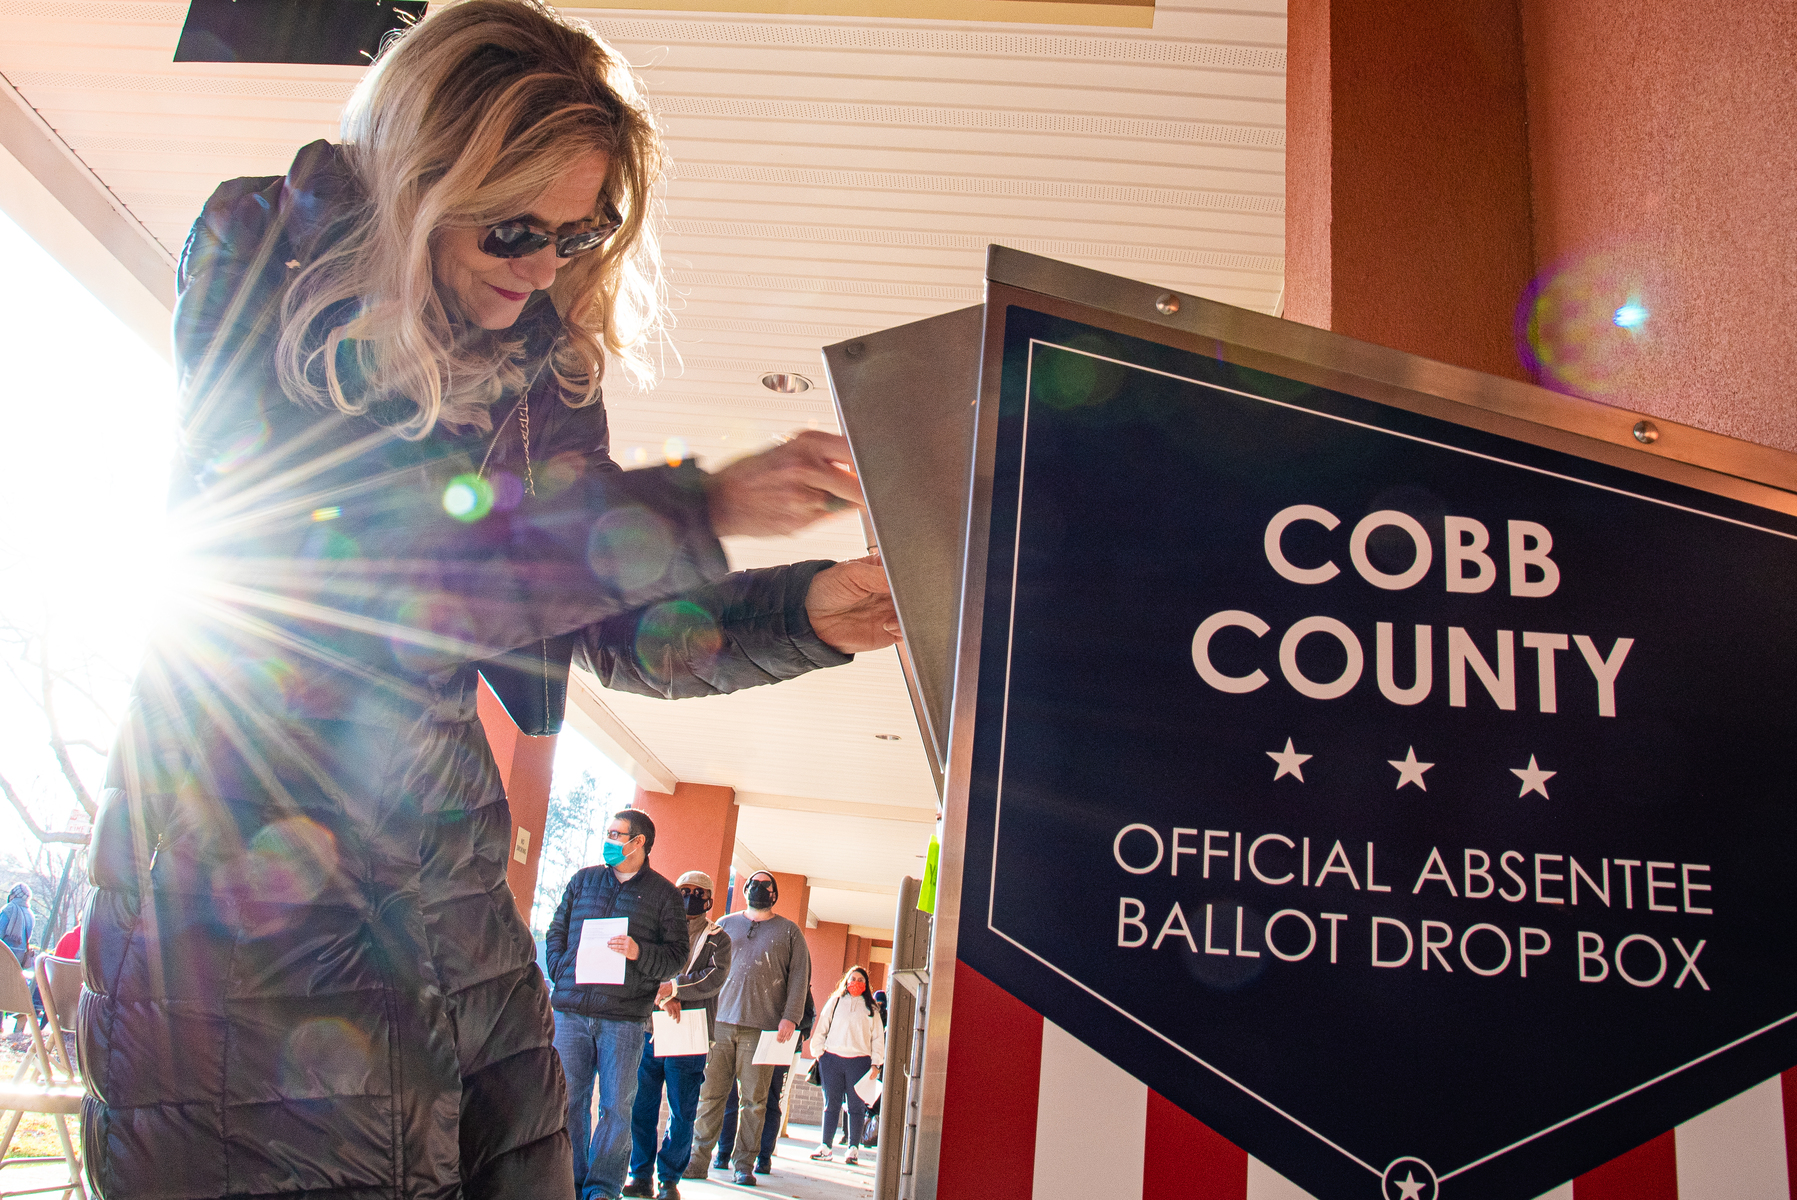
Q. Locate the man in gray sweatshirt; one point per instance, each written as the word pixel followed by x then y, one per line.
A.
pixel 770 971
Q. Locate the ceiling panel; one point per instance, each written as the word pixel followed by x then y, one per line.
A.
pixel 854 908
pixel 818 845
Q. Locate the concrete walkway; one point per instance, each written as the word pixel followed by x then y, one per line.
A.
pixel 795 1176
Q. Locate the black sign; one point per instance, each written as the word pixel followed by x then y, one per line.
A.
pixel 1411 804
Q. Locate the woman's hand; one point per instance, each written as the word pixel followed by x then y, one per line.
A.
pixel 850 606
pixel 784 489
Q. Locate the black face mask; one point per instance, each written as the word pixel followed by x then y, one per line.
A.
pixel 762 893
pixel 697 904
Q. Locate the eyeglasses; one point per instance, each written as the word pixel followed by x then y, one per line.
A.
pixel 516 239
pixel 693 891
pixel 613 835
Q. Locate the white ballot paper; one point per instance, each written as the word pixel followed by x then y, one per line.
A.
pixel 868 1088
pixel 770 1051
pixel 594 960
pixel 685 1036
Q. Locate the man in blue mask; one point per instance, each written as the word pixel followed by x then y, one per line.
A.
pixel 599 1026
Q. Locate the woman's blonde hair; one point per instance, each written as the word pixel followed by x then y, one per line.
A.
pixel 463 121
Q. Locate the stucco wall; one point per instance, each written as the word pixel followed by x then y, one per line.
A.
pixel 1663 146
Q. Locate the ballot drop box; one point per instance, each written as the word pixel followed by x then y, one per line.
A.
pixel 1362 777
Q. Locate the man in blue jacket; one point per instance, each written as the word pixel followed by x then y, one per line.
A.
pixel 599 1026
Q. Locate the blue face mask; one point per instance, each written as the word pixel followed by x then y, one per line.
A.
pixel 614 854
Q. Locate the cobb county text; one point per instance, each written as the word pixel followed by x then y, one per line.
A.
pixel 1468 569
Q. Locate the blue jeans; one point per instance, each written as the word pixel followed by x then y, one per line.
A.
pixel 593 1048
pixel 682 1074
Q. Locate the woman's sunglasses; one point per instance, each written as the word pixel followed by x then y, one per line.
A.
pixel 516 239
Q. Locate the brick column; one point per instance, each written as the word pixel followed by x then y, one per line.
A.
pixel 828 944
pixel 1407 176
pixel 525 764
pixel 695 830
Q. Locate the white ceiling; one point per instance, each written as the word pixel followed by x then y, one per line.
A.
pixel 833 176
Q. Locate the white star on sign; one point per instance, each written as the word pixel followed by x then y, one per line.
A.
pixel 1410 1187
pixel 1290 762
pixel 1534 779
pixel 1409 770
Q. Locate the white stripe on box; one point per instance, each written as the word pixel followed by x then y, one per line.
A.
pixel 1091 1123
pixel 1264 1183
pixel 1736 1151
pixel 1563 1192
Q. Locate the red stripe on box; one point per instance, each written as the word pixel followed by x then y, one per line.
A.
pixel 1648 1172
pixel 990 1093
pixel 1787 1086
pixel 1186 1158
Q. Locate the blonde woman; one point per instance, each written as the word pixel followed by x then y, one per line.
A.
pixel 307 972
pixel 848 1041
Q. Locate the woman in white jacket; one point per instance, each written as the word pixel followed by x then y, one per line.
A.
pixel 848 1041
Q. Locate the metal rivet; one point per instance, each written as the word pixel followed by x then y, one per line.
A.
pixel 854 349
pixel 1646 432
pixel 1166 303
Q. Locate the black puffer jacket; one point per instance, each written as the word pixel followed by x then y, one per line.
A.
pixel 657 922
pixel 306 972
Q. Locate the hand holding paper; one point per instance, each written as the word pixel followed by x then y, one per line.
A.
pixel 676 1036
pixel 771 1051
pixel 594 960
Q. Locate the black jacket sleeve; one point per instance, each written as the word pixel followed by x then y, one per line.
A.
pixel 663 956
pixel 746 629
pixel 555 942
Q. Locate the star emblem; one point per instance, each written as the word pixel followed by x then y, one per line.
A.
pixel 1290 762
pixel 1534 779
pixel 1410 771
pixel 1409 1187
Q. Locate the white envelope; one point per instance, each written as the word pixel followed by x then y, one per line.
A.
pixel 770 1051
pixel 594 961
pixel 868 1088
pixel 685 1036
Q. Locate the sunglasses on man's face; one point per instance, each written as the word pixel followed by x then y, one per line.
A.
pixel 516 238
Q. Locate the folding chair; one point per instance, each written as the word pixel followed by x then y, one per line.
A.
pixel 59 988
pixel 34 1089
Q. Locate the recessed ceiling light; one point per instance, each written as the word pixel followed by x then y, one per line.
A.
pixel 779 381
pixel 887 737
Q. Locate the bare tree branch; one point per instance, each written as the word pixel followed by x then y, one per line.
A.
pixel 58 745
pixel 38 831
